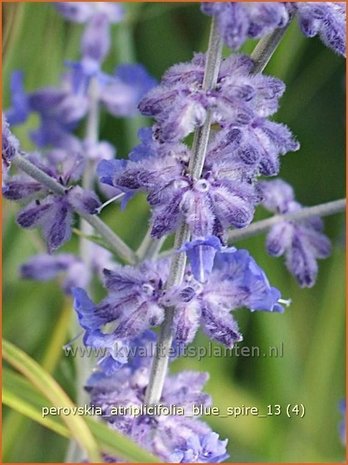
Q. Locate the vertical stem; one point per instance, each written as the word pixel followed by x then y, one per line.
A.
pixel 154 248
pixel 165 339
pixel 265 48
pixel 92 132
pixel 150 247
pixel 178 264
pixel 84 364
pixel 88 179
pixel 212 67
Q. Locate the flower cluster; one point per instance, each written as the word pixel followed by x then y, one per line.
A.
pixel 326 19
pixel 50 212
pixel 239 21
pixel 44 267
pixel 61 109
pixel 179 437
pixel 180 103
pixel 97 16
pixel 64 156
pixel 137 297
pixel 243 144
pixel 302 242
pixel 246 145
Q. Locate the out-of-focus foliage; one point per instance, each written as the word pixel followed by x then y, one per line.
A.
pixel 36 316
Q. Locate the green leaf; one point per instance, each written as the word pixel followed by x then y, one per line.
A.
pixel 20 395
pixel 52 391
pixel 25 408
pixel 114 443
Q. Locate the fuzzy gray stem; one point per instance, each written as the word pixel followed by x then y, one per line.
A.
pixel 154 248
pixel 324 209
pixel 201 135
pixel 165 338
pixel 88 179
pixel 114 242
pixel 36 173
pixel 149 247
pixel 265 48
pixel 260 227
pixel 84 365
pixel 177 268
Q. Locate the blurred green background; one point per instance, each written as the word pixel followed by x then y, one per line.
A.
pixel 36 316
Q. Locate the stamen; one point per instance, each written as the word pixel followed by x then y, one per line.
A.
pixel 285 302
pixel 113 199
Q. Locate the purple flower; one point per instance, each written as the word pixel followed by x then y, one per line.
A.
pixel 97 151
pixel 135 302
pixel 95 43
pixel 179 104
pixel 236 281
pixel 150 146
pixel 53 134
pixel 53 214
pixel 302 242
pixel 132 303
pixel 201 254
pixel 97 16
pixel 123 91
pixel 82 12
pixel 137 297
pixel 107 168
pixel 59 109
pixel 58 164
pixel 185 440
pixel 239 21
pixel 343 424
pixel 225 196
pixel 60 105
pixel 207 205
pixel 45 267
pixel 119 92
pixel 19 111
pixel 10 147
pixel 259 144
pixel 326 19
pixel 174 438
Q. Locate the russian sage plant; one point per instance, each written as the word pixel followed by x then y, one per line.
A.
pixel 204 166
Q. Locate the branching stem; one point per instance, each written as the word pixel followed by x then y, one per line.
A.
pixel 178 264
pixel 114 242
pixel 265 48
pixel 260 227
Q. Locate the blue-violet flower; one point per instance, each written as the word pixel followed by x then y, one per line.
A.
pixel 50 212
pixel 239 21
pixel 178 438
pixel 302 242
